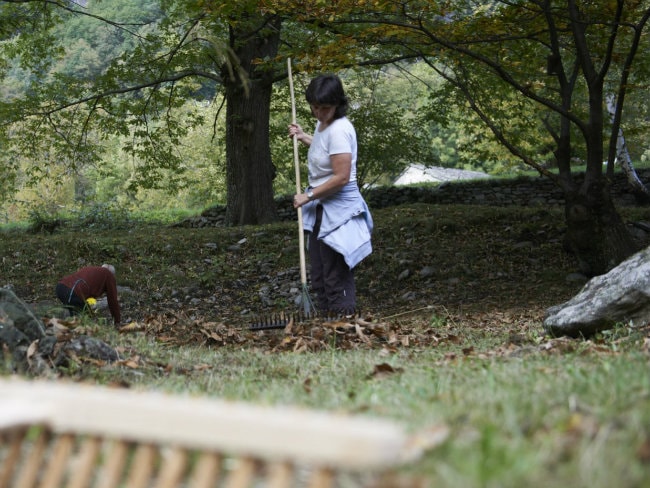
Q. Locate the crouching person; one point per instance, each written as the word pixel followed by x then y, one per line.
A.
pixel 89 282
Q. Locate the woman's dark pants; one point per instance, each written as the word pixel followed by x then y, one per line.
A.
pixel 71 301
pixel 332 280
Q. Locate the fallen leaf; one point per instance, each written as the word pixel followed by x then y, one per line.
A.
pixel 468 350
pixel 130 363
pixel 338 324
pixel 384 369
pixel 288 328
pixel 31 350
pixel 361 335
pixel 57 325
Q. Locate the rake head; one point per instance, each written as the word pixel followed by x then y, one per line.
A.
pixel 281 320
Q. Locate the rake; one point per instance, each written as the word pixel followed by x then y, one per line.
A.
pixel 308 311
pixel 308 308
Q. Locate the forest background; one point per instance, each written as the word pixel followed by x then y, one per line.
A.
pixel 404 112
pixel 391 111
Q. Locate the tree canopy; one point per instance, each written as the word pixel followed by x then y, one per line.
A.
pixel 523 68
pixel 537 63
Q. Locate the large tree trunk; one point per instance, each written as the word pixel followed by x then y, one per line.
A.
pixel 249 168
pixel 596 233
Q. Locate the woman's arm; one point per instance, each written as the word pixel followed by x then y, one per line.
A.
pixel 341 168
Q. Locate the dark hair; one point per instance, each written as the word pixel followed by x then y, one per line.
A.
pixel 328 90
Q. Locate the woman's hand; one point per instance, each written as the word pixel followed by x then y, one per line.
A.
pixel 300 199
pixel 296 131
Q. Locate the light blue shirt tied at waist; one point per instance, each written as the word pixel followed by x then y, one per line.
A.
pixel 346 225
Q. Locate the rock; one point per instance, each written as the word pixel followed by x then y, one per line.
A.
pixel 404 274
pixel 620 296
pixel 16 313
pixel 84 346
pixel 18 328
pixel 427 271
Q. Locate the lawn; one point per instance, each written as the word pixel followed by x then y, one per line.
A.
pixel 451 308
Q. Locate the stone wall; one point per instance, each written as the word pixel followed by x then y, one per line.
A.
pixel 522 191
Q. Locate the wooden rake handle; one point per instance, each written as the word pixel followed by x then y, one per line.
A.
pixel 296 163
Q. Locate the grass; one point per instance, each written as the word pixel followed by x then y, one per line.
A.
pixel 463 347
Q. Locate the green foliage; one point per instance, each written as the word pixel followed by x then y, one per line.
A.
pixel 519 120
pixel 107 215
pixel 108 97
pixel 81 49
pixel 389 135
pixel 42 221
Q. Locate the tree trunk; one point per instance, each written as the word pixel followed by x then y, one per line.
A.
pixel 639 190
pixel 249 168
pixel 596 233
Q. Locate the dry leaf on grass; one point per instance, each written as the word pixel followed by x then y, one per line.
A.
pixel 130 363
pixel 643 451
pixel 384 369
pixel 31 350
pixel 131 327
pixel 361 335
pixel 58 326
pixel 289 327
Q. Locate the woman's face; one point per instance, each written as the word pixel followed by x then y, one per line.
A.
pixel 324 113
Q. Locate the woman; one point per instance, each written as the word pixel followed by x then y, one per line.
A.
pixel 334 212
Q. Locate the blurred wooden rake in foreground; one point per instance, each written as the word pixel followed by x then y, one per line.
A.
pixel 78 436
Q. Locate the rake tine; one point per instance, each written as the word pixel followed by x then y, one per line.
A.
pixel 308 307
pixel 282 319
pixel 279 321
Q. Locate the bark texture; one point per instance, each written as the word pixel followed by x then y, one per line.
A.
pixel 250 170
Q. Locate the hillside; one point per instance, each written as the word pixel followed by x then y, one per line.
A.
pixel 464 263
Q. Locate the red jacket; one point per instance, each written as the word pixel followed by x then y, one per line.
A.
pixel 95 281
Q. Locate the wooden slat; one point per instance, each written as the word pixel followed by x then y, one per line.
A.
pixel 86 464
pixel 14 439
pixel 173 469
pixel 16 411
pixel 242 474
pixel 280 475
pixel 166 441
pixel 206 471
pixel 57 463
pixel 142 466
pixel 306 436
pixel 30 469
pixel 322 478
pixel 112 471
